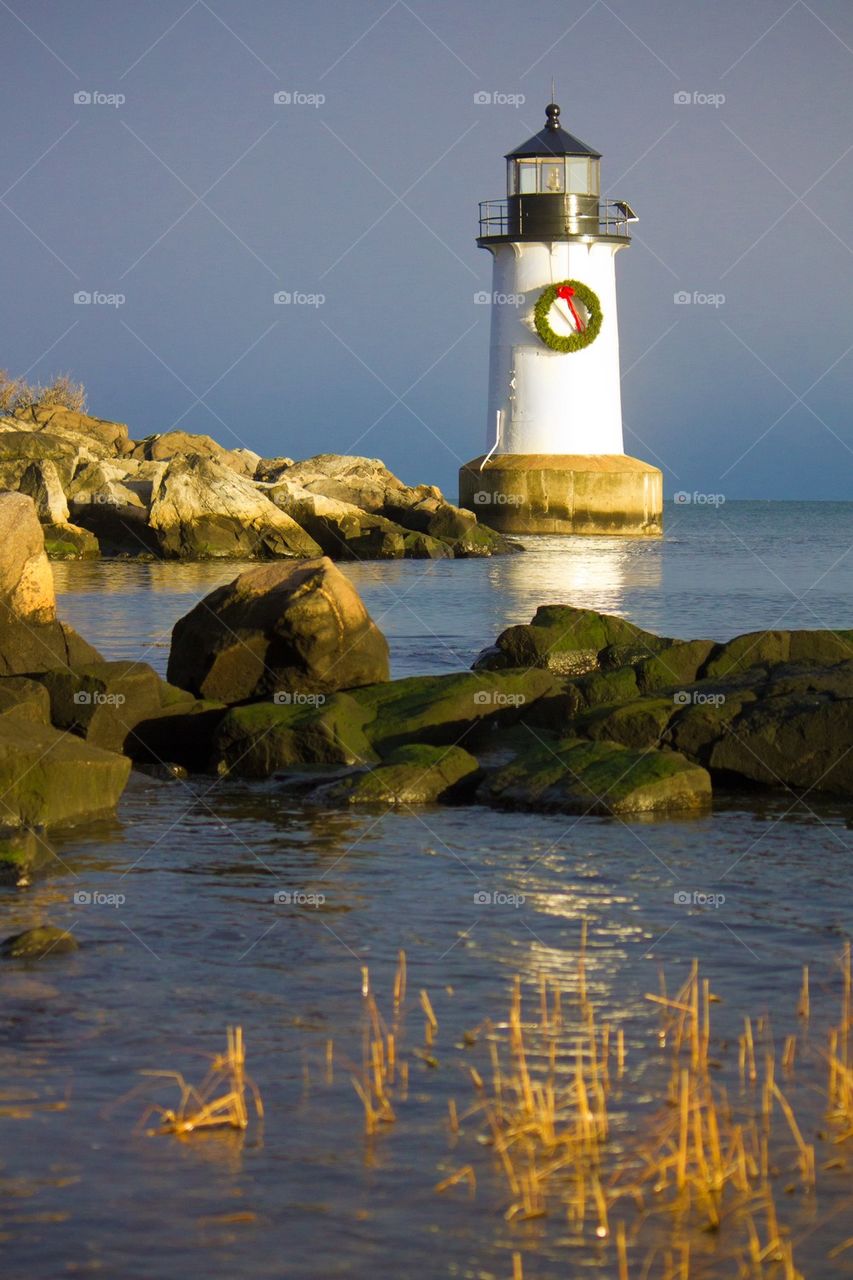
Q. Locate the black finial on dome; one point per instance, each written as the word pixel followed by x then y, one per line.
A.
pixel 552 112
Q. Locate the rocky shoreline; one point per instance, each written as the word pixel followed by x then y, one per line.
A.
pixel 282 674
pixel 179 496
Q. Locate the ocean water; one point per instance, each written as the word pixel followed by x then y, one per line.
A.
pixel 200 941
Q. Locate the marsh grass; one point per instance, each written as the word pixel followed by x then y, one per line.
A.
pixel 692 1186
pixel 219 1101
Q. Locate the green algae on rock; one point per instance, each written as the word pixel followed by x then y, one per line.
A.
pixel 49 778
pixel 37 943
pixel 572 775
pixel 414 774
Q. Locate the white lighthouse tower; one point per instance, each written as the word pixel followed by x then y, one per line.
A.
pixel 555 460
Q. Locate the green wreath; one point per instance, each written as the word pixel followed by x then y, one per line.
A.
pixel 572 341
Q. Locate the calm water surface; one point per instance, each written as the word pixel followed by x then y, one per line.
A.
pixel 200 942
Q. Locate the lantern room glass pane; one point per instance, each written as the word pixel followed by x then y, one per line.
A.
pixel 552 177
pixel 526 177
pixel 578 177
pixel 511 178
pixel 594 177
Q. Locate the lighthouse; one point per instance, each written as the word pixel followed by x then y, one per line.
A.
pixel 554 460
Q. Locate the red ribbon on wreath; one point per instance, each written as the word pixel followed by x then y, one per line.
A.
pixel 566 292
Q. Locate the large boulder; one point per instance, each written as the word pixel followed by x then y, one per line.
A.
pixel 445 709
pixel 103 702
pixel 24 699
pixel 26 579
pixel 182 444
pixel 20 448
pixel 97 435
pixel 62 540
pixel 299 628
pixel 41 482
pixel 415 774
pixel 342 530
pixel 571 642
pixel 31 637
pixel 203 510
pixel 112 499
pixel 575 776
pixel 50 778
pixel 368 484
pixel 261 738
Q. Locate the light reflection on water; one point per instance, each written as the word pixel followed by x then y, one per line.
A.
pixel 200 942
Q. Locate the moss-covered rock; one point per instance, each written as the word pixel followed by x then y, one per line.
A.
pixel 70 542
pixel 37 943
pixel 444 709
pixel 576 776
pixel 571 642
pixel 26 649
pixel 103 702
pixel 416 774
pixel 299 628
pixel 256 740
pixel 24 699
pixel 640 724
pixel 420 546
pixel 49 778
pixel 23 854
pixel 675 666
pixel 762 648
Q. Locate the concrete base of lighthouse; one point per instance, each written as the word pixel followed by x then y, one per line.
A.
pixel 565 493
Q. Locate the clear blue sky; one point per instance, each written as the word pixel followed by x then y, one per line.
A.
pixel 199 197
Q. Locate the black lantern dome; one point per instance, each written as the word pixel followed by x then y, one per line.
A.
pixel 553 140
pixel 553 191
